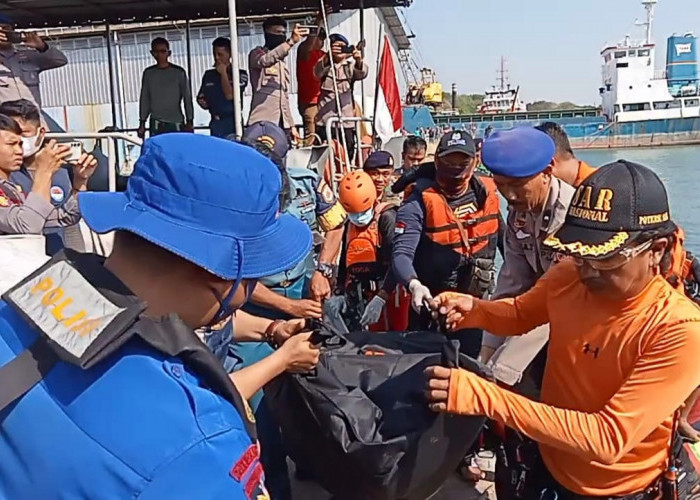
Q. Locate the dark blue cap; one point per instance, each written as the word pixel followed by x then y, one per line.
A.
pixel 519 152
pixel 211 201
pixel 379 159
pixel 337 37
pixel 270 135
pixel 5 19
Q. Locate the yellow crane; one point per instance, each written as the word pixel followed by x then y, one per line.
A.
pixel 428 92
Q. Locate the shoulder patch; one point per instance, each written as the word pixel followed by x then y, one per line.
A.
pixel 326 192
pixel 65 307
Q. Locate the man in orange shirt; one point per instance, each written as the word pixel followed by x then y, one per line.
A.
pixel 565 164
pixel 623 347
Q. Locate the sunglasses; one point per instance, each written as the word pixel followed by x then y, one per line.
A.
pixel 616 261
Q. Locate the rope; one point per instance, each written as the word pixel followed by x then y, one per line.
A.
pixel 334 76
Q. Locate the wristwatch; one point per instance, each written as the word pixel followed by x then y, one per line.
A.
pixel 327 270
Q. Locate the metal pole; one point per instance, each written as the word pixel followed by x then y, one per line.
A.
pixel 110 69
pixel 380 49
pixel 362 37
pixel 236 70
pixel 334 77
pixel 119 76
pixel 112 152
pixel 188 47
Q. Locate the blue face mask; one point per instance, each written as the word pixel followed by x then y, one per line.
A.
pixel 363 218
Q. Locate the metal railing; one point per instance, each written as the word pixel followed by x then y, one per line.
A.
pixel 112 137
pixel 341 170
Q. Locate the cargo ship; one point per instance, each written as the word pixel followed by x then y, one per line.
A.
pixel 640 106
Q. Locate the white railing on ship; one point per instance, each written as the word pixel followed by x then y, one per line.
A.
pixel 111 147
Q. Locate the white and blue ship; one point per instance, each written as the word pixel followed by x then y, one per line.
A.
pixel 640 106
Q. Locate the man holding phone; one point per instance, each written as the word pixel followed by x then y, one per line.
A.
pixel 309 87
pixel 269 76
pixel 348 63
pixel 30 212
pixel 22 57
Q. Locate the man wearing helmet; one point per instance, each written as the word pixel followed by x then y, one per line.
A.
pixel 364 284
pixel 446 233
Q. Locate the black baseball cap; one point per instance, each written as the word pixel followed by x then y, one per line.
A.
pixel 270 135
pixel 611 209
pixel 456 142
pixel 379 159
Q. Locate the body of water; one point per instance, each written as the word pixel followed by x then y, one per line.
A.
pixel 678 167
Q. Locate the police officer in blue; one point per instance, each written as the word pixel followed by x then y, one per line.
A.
pixel 106 391
pixel 298 290
pixel 307 197
pixel 28 117
pixel 216 93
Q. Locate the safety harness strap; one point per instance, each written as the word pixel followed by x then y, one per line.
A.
pixel 25 371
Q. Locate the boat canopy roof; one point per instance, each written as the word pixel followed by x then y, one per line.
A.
pixel 55 13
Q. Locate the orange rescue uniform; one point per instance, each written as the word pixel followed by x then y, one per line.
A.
pixel 362 259
pixel 615 375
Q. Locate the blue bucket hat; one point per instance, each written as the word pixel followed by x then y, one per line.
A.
pixel 211 201
pixel 519 152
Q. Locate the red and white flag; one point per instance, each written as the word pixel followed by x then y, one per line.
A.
pixel 389 116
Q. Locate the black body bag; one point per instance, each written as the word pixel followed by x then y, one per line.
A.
pixel 360 424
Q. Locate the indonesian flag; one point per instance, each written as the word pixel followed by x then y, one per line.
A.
pixel 389 117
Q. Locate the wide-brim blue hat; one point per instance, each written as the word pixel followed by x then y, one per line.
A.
pixel 213 202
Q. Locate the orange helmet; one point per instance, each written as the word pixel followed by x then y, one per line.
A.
pixel 356 192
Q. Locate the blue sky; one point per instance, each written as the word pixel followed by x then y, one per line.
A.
pixel 552 46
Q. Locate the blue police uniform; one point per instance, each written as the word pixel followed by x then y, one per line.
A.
pixel 61 188
pixel 66 436
pixel 313 202
pixel 98 399
pixel 220 108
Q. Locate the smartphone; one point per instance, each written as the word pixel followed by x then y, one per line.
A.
pixel 348 49
pixel 310 29
pixel 15 37
pixel 76 151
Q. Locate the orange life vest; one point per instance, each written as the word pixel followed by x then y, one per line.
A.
pixel 362 252
pixel 481 224
pixel 363 242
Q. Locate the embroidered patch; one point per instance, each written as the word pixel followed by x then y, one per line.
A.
pixel 244 463
pixel 65 307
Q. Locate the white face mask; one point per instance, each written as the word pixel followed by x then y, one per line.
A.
pixel 30 145
pixel 363 218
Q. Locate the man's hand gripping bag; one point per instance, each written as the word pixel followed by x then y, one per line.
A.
pixel 360 424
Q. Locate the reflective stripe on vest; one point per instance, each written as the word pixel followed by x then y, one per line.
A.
pixel 441 226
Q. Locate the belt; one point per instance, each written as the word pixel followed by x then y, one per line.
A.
pixel 217 118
